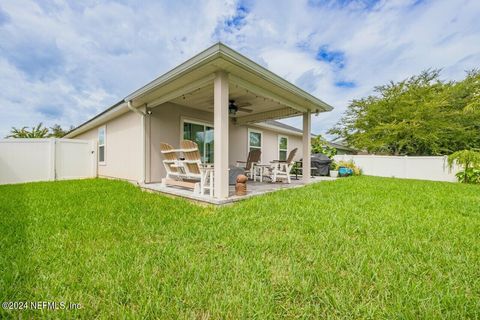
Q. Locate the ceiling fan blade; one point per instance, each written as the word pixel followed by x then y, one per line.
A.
pixel 245 110
pixel 239 107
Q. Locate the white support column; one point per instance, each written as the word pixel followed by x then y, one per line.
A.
pixel 307 146
pixel 220 123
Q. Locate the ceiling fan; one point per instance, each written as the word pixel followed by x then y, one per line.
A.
pixel 233 108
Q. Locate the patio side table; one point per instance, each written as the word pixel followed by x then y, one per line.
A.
pixel 260 169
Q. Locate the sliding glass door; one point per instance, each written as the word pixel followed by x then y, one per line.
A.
pixel 202 134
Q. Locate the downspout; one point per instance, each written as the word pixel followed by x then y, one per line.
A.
pixel 129 105
pixel 142 115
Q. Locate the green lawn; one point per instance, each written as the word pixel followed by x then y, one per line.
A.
pixel 353 248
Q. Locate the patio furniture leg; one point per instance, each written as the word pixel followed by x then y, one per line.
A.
pixel 211 183
pixel 202 183
pixel 197 188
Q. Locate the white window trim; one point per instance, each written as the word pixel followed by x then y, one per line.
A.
pixel 104 162
pixel 278 145
pixel 193 121
pixel 261 141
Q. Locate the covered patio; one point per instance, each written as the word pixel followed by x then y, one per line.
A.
pixel 254 188
pixel 201 91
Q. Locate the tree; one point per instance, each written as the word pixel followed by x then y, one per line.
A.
pixel 421 115
pixel 320 145
pixel 56 131
pixel 38 131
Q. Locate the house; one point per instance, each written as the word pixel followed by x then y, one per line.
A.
pixel 341 148
pixel 219 95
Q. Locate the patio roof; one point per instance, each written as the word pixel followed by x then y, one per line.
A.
pixel 242 71
pixel 192 81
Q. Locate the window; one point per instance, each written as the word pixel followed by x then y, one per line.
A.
pixel 282 148
pixel 254 140
pixel 101 145
pixel 202 134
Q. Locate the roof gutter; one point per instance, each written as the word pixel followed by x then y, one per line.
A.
pixel 113 111
pixel 132 108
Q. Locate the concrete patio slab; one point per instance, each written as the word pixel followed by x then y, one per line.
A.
pixel 254 188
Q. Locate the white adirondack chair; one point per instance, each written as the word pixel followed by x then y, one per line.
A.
pixel 188 172
pixel 281 169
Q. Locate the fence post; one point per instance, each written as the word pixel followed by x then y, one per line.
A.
pixel 51 143
pixel 405 167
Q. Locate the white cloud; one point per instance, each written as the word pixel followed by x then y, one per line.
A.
pixel 62 62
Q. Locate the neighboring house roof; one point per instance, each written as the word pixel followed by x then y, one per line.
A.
pixel 339 146
pixel 217 56
pixel 282 126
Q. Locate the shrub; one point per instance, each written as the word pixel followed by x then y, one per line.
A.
pixel 320 145
pixel 333 165
pixel 470 175
pixel 469 161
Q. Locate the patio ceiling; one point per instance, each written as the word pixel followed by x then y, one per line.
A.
pixel 262 108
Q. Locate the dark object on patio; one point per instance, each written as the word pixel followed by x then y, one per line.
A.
pixel 233 173
pixel 322 163
pixel 241 186
pixel 345 172
pixel 252 158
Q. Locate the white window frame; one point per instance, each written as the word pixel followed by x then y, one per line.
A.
pixel 255 147
pixel 104 145
pixel 278 146
pixel 193 121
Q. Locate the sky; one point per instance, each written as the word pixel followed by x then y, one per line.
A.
pixel 65 61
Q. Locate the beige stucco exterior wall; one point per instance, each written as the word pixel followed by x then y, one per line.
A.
pixel 270 149
pixel 123 147
pixel 165 126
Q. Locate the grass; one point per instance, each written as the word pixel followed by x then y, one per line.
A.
pixel 354 248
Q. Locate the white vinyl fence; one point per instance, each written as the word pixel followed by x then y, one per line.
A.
pixel 422 168
pixel 27 160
